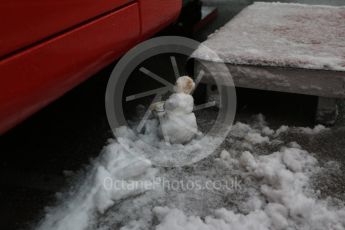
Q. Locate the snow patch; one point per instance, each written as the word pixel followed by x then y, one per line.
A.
pixel 283 201
pixel 256 138
pixel 93 195
pixel 312 131
pixel 308 36
pixel 276 192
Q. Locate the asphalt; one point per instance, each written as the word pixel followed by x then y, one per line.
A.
pixel 64 136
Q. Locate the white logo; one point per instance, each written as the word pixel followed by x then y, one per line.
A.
pixel 133 135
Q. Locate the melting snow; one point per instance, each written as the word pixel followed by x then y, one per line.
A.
pixel 270 189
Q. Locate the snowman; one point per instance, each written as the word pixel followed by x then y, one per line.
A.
pixel 177 120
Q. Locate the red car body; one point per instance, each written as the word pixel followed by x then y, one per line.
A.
pixel 47 47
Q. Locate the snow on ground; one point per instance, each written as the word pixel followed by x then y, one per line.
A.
pixel 258 179
pixel 282 34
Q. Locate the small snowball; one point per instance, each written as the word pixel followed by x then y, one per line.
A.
pixel 296 159
pixel 282 129
pixel 292 160
pixel 256 138
pixel 248 161
pixel 267 131
pixel 240 129
pixel 224 155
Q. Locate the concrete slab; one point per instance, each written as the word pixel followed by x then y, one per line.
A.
pixel 324 83
pixel 283 47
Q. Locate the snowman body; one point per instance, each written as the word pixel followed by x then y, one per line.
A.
pixel 179 122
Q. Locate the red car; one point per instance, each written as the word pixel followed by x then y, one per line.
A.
pixel 47 47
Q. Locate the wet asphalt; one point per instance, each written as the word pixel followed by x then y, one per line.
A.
pixel 63 137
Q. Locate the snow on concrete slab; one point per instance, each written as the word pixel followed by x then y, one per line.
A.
pixel 284 35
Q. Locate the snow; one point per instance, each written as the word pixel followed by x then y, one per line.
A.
pixel 270 190
pixel 282 202
pixel 282 34
pixel 306 130
pixel 179 122
pixel 256 138
pixel 282 129
pixel 317 129
pixel 247 161
pixel 92 196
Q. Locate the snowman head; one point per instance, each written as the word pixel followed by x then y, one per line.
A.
pixel 185 85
